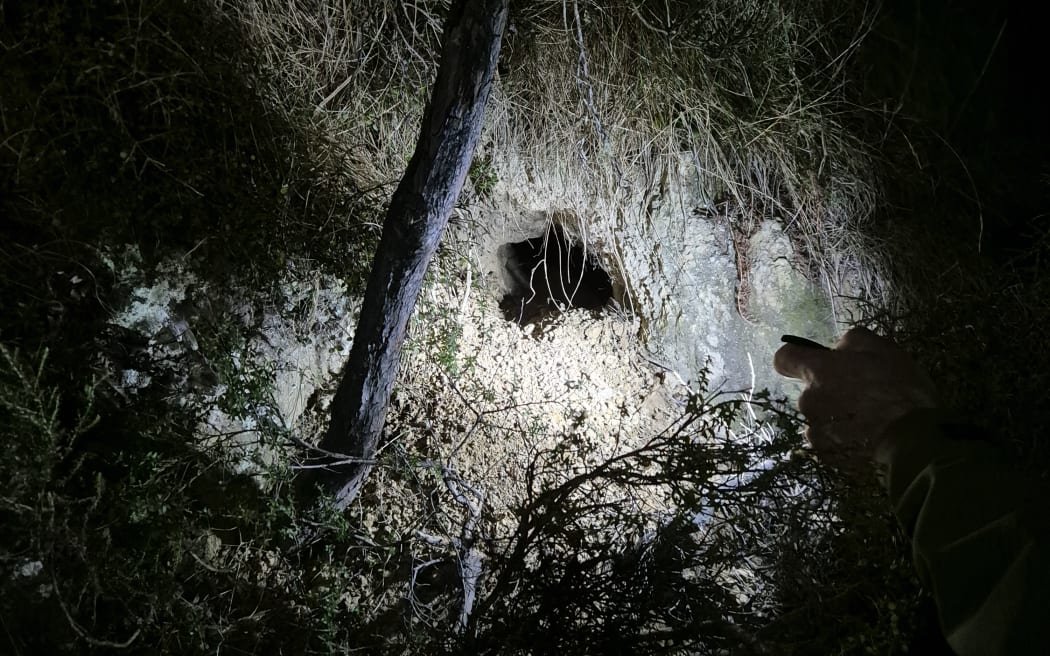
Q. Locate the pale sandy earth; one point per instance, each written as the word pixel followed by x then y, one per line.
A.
pixel 481 395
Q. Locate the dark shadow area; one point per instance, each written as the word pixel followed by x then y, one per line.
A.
pixel 134 132
pixel 548 273
pixel 968 135
pixel 963 151
pixel 967 192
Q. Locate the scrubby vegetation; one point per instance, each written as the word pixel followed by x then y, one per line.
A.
pixel 241 144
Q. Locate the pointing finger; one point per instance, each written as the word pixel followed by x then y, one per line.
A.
pixel 802 362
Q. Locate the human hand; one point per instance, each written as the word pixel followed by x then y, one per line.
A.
pixel 854 391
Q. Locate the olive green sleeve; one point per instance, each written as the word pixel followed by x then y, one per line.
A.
pixel 979 536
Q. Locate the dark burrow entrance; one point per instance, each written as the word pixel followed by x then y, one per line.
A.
pixel 546 274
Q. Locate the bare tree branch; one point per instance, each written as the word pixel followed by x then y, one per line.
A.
pixel 418 214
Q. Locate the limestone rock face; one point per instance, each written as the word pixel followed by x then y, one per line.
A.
pixel 706 289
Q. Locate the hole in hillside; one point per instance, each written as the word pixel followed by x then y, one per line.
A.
pixel 546 274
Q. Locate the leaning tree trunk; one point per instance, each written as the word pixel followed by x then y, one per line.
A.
pixel 419 211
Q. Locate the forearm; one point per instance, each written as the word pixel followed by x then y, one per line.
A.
pixel 978 536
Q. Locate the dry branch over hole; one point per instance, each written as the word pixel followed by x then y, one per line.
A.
pixel 416 219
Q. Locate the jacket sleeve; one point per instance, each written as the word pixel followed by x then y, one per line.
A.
pixel 979 535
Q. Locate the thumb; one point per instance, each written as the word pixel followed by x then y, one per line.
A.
pixel 802 362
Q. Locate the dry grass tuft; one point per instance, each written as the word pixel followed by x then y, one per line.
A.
pixel 611 98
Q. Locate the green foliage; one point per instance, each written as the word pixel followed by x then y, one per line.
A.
pixel 483 175
pixel 437 328
pixel 449 350
pixel 123 533
pixel 99 526
pixel 31 421
pixel 249 384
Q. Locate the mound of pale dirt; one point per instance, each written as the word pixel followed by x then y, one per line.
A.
pixel 505 393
